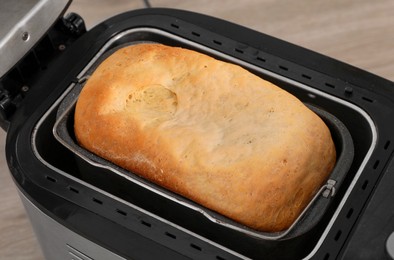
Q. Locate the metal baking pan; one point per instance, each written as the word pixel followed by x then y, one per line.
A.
pixel 63 132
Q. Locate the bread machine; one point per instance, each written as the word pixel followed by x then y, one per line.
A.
pixel 80 208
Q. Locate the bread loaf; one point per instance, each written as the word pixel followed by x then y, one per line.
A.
pixel 208 130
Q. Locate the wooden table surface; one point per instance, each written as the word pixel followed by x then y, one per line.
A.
pixel 359 32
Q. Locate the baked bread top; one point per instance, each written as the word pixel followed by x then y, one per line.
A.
pixel 208 130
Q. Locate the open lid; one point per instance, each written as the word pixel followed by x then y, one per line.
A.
pixel 23 23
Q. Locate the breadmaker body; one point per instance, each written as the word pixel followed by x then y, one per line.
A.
pixel 79 211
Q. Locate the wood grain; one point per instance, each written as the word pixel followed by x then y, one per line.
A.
pixel 358 32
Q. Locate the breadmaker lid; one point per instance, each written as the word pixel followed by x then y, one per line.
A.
pixel 23 23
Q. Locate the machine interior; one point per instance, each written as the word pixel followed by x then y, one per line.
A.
pixel 57 157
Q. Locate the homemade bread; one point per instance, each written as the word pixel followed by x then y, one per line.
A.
pixel 208 130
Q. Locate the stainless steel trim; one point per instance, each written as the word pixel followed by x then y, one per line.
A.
pixel 310 90
pixel 390 245
pixel 58 242
pixel 78 255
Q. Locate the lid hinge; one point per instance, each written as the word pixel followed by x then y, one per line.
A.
pixel 30 70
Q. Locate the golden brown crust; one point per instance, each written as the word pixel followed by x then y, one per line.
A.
pixel 208 130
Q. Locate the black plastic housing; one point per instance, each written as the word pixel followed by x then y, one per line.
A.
pixel 89 212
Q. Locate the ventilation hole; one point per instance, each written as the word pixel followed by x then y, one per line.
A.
pixel 365 184
pixel 376 164
pixel 220 258
pixel 387 144
pixel 338 235
pixel 121 212
pixel 146 223
pixel 196 247
pixel 306 76
pixel 97 201
pixel 196 34
pixel 329 85
pixel 261 59
pixel 239 51
pixel 170 235
pixel 283 67
pixel 326 257
pixel 217 42
pixel 49 178
pixel 349 213
pixel 367 99
pixel 73 189
pixel 175 25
